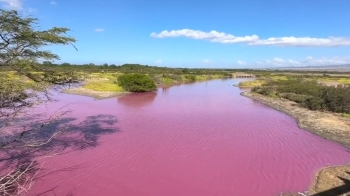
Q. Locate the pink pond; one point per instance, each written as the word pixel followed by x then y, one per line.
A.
pixel 200 139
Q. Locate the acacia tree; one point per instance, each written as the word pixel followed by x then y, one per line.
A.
pixel 21 47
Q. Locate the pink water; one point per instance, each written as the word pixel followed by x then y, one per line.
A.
pixel 201 139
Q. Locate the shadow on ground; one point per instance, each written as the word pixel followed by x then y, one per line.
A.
pixel 339 190
pixel 70 134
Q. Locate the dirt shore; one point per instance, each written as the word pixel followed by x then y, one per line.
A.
pixel 91 93
pixel 325 124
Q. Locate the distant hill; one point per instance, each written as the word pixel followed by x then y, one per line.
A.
pixel 339 68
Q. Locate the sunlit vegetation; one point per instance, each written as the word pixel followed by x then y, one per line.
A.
pixel 103 86
pixel 346 115
pixel 251 83
pixel 309 93
pixel 341 80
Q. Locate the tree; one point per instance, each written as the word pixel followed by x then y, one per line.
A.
pixel 21 46
pixel 137 83
pixel 20 41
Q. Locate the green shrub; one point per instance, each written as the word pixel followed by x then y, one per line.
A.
pixel 295 97
pixel 190 78
pixel 137 83
pixel 309 94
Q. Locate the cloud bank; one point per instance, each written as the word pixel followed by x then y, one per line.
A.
pixel 254 40
pixel 99 30
pixel 12 4
pixel 308 61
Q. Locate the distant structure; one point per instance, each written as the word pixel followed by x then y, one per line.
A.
pixel 243 75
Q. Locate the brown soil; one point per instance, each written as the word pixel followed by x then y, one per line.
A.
pixel 328 125
pixel 332 181
pixel 92 93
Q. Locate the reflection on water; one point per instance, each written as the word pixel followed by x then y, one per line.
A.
pixel 137 100
pixel 165 90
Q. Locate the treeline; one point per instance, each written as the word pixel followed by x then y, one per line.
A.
pixel 308 93
pixel 132 68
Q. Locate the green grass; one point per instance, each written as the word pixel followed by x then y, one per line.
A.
pixel 103 86
pixel 339 80
pixel 216 76
pixel 167 81
pixel 346 115
pixel 344 80
pixel 202 77
pixel 108 75
pixel 251 84
pixel 275 78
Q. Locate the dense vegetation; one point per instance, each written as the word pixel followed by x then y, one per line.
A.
pixel 137 82
pixel 309 93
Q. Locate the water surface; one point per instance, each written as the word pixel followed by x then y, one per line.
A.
pixel 189 140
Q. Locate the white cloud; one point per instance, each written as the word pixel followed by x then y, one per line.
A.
pixel 31 10
pixel 12 4
pixel 99 30
pixel 53 3
pixel 254 40
pixel 159 61
pixel 308 61
pixel 241 62
pixel 303 41
pixel 205 61
pixel 212 36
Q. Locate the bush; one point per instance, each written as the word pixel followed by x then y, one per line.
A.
pixel 295 97
pixel 190 78
pixel 309 94
pixel 137 83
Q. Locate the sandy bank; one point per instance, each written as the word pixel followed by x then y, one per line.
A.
pixel 91 93
pixel 325 124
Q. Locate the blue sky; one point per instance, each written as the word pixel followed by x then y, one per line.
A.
pixel 188 33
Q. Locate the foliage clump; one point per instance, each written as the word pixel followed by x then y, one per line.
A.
pixel 137 83
pixel 190 78
pixel 308 93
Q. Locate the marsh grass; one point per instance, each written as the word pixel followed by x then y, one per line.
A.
pixel 103 86
pixel 342 80
pixel 167 81
pixel 251 84
pixel 346 115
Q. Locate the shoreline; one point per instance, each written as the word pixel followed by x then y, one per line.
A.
pixel 80 90
pixel 330 126
pixel 94 94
